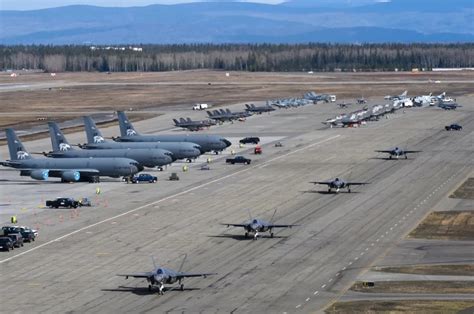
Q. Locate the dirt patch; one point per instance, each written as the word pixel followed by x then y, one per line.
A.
pixel 465 191
pixel 401 306
pixel 431 286
pixel 447 270
pixel 446 225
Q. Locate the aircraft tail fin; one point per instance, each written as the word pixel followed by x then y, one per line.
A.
pixel 209 113
pixel 189 120
pixel 228 110
pixel 58 140
pixel 247 106
pixel 126 127
pixel 404 94
pixel 15 146
pixel 94 135
pixel 176 122
pixel 182 263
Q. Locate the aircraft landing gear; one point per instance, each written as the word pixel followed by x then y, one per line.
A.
pixel 181 287
pixel 271 234
pixel 161 289
pixel 329 190
pixel 189 160
pixel 149 288
pixel 406 157
pixel 349 190
pixel 246 235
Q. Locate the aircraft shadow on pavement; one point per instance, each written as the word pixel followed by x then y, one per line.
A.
pixel 388 158
pixel 145 291
pixel 330 193
pixel 241 237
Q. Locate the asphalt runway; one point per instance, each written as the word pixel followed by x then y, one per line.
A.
pixel 73 263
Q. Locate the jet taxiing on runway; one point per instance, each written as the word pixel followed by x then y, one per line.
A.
pixel 339 184
pixel 69 170
pixel 256 226
pixel 180 150
pixel 398 152
pixel 193 125
pixel 207 142
pixel 146 157
pixel 161 276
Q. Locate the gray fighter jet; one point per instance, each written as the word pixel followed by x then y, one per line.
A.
pixel 258 109
pixel 180 150
pixel 147 157
pixel 161 276
pixel 193 125
pixel 207 142
pixel 69 170
pixel 398 152
pixel 338 184
pixel 256 226
pixel 448 105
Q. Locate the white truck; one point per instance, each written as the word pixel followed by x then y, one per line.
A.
pixel 200 107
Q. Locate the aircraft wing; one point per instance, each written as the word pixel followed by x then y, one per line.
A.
pixel 281 226
pixel 412 151
pixel 137 275
pixel 58 172
pixel 185 275
pixel 357 183
pixel 321 182
pixel 235 225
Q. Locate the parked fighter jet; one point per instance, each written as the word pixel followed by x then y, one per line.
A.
pixel 258 109
pixel 69 170
pixel 193 125
pixel 319 97
pixel 180 150
pixel 161 276
pixel 424 100
pixel 339 184
pixel 207 142
pixel 397 152
pixel 255 226
pixel 146 157
pixel 448 105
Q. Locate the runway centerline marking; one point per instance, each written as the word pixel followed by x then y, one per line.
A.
pixel 168 198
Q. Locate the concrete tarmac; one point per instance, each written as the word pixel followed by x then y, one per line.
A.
pixel 73 264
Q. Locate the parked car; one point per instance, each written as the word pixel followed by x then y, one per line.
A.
pixel 144 177
pixel 6 244
pixel 16 238
pixel 252 140
pixel 174 177
pixel 238 160
pixel 257 150
pixel 454 126
pixel 62 202
pixel 27 234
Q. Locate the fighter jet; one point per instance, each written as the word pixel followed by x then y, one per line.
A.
pixel 193 125
pixel 256 226
pixel 398 152
pixel 319 97
pixel 207 142
pixel 339 184
pixel 161 276
pixel 448 105
pixel 146 157
pixel 180 150
pixel 258 109
pixel 424 100
pixel 69 170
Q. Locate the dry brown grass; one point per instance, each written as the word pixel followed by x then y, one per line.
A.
pixel 447 270
pixel 431 286
pixel 448 225
pixel 401 306
pixel 465 191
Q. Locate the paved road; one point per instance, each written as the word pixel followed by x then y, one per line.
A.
pixel 73 264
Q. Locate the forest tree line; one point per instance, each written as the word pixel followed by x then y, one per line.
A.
pixel 238 57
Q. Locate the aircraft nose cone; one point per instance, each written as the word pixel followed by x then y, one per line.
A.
pixel 226 142
pixel 197 152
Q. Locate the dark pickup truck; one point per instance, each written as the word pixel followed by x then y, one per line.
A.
pixel 63 202
pixel 238 160
pixel 27 234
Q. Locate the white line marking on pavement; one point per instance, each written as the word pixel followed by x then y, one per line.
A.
pixel 316 292
pixel 298 306
pixel 307 299
pixel 167 198
pixel 323 286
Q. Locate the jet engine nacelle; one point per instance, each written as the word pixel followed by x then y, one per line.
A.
pixel 71 176
pixel 40 174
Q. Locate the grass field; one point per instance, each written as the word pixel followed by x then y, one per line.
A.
pixel 447 270
pixel 431 286
pixel 447 225
pixel 465 191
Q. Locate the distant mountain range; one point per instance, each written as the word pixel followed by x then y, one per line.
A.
pixel 296 21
